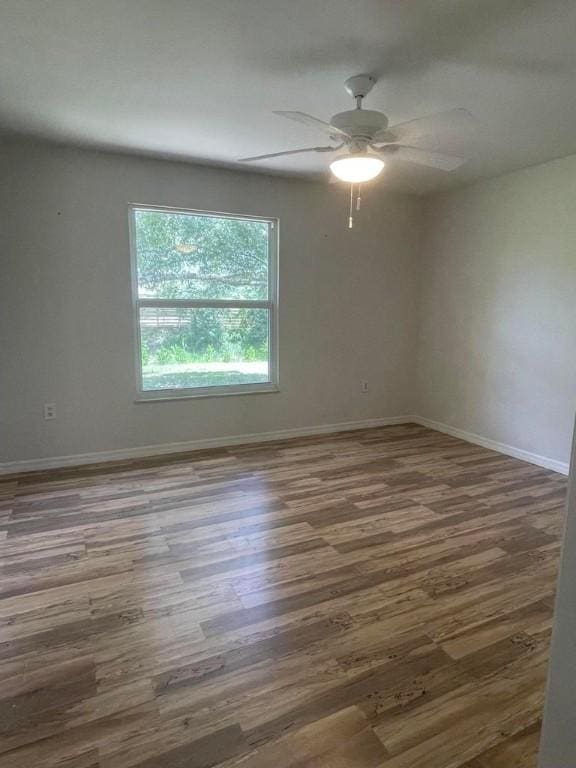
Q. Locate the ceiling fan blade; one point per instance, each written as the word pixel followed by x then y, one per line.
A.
pixel 287 152
pixel 455 123
pixel 314 122
pixel 422 157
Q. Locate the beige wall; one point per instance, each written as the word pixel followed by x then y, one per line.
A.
pixel 498 309
pixel 347 302
pixel 486 273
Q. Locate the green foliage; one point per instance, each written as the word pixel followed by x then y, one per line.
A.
pixel 175 354
pixel 187 256
pixel 201 257
pixel 172 354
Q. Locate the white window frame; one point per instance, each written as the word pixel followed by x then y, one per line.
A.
pixel 271 304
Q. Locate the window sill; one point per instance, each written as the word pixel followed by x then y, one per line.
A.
pixel 162 395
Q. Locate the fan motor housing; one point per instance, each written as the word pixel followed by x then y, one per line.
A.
pixel 360 122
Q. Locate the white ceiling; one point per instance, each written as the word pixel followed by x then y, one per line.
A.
pixel 198 79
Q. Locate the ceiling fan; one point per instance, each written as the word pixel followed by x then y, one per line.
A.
pixel 364 141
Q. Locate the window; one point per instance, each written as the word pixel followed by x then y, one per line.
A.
pixel 204 301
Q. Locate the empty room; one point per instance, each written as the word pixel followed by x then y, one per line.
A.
pixel 288 384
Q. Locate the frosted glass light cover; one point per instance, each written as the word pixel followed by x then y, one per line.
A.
pixel 356 169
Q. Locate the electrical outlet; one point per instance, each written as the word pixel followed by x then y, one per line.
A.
pixel 49 411
pixel 364 386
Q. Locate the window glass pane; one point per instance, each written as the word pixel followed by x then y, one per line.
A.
pixel 189 256
pixel 192 347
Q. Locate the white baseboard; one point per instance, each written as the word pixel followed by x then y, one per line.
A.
pixel 509 450
pixel 55 462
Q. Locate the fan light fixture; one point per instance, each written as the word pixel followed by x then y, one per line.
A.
pixel 356 169
pixel 363 137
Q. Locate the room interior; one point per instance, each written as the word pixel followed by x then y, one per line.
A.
pixel 284 458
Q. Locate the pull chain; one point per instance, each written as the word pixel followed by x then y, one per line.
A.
pixel 351 216
pixel 352 206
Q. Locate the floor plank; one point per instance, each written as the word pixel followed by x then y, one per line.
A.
pixel 378 599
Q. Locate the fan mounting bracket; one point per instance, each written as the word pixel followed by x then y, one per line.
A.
pixel 360 85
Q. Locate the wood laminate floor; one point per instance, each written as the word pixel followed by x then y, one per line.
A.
pixel 366 599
